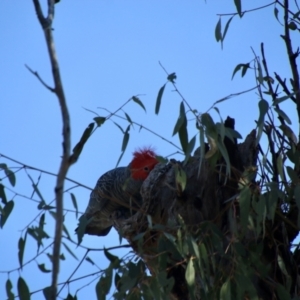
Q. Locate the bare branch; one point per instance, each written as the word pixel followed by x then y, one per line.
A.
pixel 46 24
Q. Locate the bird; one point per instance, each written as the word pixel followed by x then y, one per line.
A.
pixel 118 191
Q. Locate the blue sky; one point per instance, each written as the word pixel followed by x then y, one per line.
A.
pixel 109 51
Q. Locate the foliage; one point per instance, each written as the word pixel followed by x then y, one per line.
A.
pixel 244 253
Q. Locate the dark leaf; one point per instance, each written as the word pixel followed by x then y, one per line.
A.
pixel 21 246
pixel 119 127
pixel 292 25
pixel 128 118
pixel 11 176
pixel 23 289
pixel 225 292
pixel 237 68
pixel 172 77
pixel 70 297
pixel 226 28
pixel 47 293
pixel 238 6
pixel 158 99
pixel 276 13
pixel 89 260
pixel 125 139
pixel 8 207
pixel 245 68
pixel 139 102
pixel 112 258
pixel 99 120
pixel 79 146
pixel 9 293
pixel 74 204
pixel 218 29
pixel 2 194
pixel 43 268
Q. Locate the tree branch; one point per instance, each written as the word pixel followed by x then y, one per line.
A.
pixel 292 57
pixel 46 23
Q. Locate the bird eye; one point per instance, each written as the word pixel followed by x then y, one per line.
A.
pixel 146 169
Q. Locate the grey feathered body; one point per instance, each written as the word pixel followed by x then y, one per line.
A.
pixel 114 191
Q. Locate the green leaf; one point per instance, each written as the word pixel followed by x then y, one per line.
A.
pixel 2 194
pixel 292 174
pixel 8 207
pixel 74 204
pixel 190 276
pixel 21 246
pixel 125 139
pixel 180 177
pixel 103 286
pixel 23 289
pixel 139 102
pixel 11 176
pixel 245 200
pixel 238 6
pixel 282 114
pixel 225 292
pixel 8 287
pixel 282 292
pixel 181 127
pixel 260 76
pixel 190 147
pixel 99 120
pixel 158 99
pixel 218 31
pixel 69 250
pixel 43 268
pixel 172 77
pixel 263 108
pixel 162 159
pixel 79 146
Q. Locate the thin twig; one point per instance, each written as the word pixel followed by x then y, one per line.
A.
pixel 43 171
pixel 36 74
pixel 70 277
pixel 246 11
pixel 143 127
pixel 285 88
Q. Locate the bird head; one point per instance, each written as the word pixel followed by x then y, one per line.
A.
pixel 143 162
